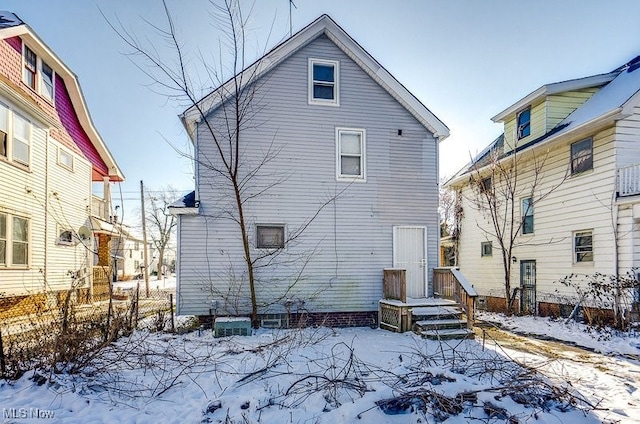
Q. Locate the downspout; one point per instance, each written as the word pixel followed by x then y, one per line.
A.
pixel 46 210
pixel 616 265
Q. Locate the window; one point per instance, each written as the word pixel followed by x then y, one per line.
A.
pixel 15 135
pixel 524 123
pixel 65 237
pixel 14 240
pixel 527 215
pixel 4 130
pixel 583 246
pixel 581 156
pixel 30 67
pixel 485 185
pixel 486 248
pixel 38 75
pixel 323 82
pixel 3 239
pixel 46 87
pixel 21 130
pixel 350 154
pixel 270 236
pixel 65 159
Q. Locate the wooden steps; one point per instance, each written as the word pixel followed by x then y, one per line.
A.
pixel 432 318
pixel 440 321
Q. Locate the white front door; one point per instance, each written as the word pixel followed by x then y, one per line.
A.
pixel 409 252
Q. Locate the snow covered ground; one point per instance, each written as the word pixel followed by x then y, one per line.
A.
pixel 337 376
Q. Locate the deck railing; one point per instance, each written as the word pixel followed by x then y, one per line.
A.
pixel 99 208
pixel 449 283
pixel 628 180
pixel 394 284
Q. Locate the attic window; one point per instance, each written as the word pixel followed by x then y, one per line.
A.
pixel 323 82
pixel 524 121
pixel 30 67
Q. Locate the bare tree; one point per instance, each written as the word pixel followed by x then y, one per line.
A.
pixel 500 182
pixel 162 223
pixel 235 176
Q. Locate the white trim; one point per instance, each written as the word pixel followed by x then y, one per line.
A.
pixel 558 87
pixel 322 25
pixel 363 155
pixel 11 138
pixel 62 150
pixel 271 225
pixel 9 240
pixel 336 82
pixel 425 260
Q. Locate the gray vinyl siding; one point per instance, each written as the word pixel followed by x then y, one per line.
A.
pixel 343 251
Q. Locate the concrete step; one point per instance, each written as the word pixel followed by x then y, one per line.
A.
pixel 448 334
pixel 440 324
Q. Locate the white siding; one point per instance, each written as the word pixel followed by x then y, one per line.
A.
pixel 345 248
pixel 69 199
pixel 581 202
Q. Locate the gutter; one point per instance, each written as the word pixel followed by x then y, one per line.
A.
pixel 584 127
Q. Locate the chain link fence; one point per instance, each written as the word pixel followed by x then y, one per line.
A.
pixel 61 331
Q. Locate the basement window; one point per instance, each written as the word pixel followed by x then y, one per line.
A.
pixel 270 236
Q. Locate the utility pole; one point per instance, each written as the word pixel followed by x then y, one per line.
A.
pixel 144 241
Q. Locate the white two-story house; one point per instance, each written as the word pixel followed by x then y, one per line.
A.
pixel 576 146
pixel 50 155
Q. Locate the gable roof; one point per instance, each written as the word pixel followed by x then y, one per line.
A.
pixel 614 101
pixel 554 88
pixel 323 25
pixel 12 26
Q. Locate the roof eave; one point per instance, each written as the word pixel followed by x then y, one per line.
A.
pixel 582 129
pixel 75 93
pixel 324 24
pixel 554 88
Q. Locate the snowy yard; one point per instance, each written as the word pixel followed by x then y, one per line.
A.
pixel 337 376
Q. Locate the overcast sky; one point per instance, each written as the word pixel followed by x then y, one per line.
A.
pixel 465 60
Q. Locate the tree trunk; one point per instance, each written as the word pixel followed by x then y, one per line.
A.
pixel 160 263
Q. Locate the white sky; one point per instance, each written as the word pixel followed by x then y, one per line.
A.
pixel 465 60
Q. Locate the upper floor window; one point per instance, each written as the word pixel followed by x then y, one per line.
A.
pixel 323 82
pixel 582 156
pixel 65 159
pixel 583 246
pixel 46 89
pixel 527 216
pixel 270 236
pixel 524 123
pixel 14 240
pixel 15 136
pixel 37 74
pixel 486 248
pixel 30 67
pixel 350 147
pixel 484 185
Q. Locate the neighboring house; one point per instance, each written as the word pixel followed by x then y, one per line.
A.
pixel 582 218
pixel 127 252
pixel 355 166
pixel 50 154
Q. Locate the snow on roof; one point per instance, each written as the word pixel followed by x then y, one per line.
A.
pixel 610 99
pixel 187 201
pixel 9 19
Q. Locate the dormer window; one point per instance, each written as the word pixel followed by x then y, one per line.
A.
pixel 323 82
pixel 37 74
pixel 524 123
